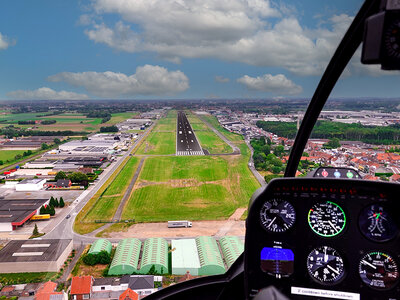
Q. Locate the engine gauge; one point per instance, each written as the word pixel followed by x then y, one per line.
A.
pixel 277 215
pixel 376 223
pixel 327 219
pixel 378 270
pixel 325 265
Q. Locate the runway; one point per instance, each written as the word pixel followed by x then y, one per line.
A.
pixel 186 141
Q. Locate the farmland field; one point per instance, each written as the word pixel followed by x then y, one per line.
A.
pixel 9 154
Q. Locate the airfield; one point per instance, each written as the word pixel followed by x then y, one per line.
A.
pixel 157 183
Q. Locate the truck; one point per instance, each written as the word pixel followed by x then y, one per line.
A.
pixel 178 224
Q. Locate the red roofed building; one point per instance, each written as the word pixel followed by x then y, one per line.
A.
pixel 48 289
pixel 129 295
pixel 81 287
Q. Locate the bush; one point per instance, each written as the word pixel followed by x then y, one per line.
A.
pixel 90 259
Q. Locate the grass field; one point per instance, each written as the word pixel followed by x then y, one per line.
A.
pixel 234 137
pixel 9 154
pixel 18 278
pixel 207 138
pixel 178 187
pixel 158 143
pixel 106 206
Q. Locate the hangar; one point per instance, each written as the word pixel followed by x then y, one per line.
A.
pixel 29 185
pixel 231 247
pixel 185 257
pixel 211 262
pixel 155 253
pixel 100 245
pixel 22 256
pixel 126 257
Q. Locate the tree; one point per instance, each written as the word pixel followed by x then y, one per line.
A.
pixel 103 258
pixel 78 177
pixel 51 210
pixel 45 146
pixel 266 149
pixel 60 175
pixel 62 204
pixel 279 150
pixel 56 203
pixel 51 202
pixel 43 210
pixel 90 259
pixel 35 231
pixel 332 144
pixel 57 141
pixel 1 162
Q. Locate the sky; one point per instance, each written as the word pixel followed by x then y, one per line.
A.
pixel 178 49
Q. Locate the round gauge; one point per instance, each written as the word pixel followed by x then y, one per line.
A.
pixel 392 39
pixel 277 215
pixel 326 219
pixel 376 223
pixel 325 265
pixel 378 270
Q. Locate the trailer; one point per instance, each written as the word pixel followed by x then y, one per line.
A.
pixel 179 224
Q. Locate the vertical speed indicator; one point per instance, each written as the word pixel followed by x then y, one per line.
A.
pixel 277 215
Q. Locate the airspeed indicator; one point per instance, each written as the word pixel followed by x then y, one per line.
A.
pixel 326 219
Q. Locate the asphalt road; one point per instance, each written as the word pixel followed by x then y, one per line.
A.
pixel 186 141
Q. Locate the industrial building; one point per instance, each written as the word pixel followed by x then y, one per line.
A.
pixel 30 185
pixel 100 245
pixel 211 262
pixel 126 257
pixel 16 212
pixel 155 253
pixel 185 257
pixel 22 256
pixel 231 247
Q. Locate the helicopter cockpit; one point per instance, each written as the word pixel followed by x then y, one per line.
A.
pixel 330 235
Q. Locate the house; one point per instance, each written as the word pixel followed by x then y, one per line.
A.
pixel 81 287
pixel 129 295
pixel 47 291
pixel 63 183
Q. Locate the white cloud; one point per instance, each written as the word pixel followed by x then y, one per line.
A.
pixel 231 30
pixel 221 79
pixel 277 84
pixel 148 80
pixel 45 93
pixel 5 42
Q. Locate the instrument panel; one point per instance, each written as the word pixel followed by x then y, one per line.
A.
pixel 317 238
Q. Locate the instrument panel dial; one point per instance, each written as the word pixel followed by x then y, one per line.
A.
pixel 327 219
pixel 277 215
pixel 378 270
pixel 325 265
pixel 377 224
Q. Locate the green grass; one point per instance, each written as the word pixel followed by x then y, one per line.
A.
pixel 18 278
pixel 159 143
pixel 167 124
pixel 106 206
pixel 201 168
pixel 211 142
pixel 161 203
pixel 9 154
pixel 229 135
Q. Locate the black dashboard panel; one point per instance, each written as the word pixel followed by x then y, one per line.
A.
pixel 317 238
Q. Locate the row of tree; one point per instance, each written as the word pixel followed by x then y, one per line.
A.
pixel 328 130
pixel 75 177
pixel 103 258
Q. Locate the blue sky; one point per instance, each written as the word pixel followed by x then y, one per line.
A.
pixel 140 49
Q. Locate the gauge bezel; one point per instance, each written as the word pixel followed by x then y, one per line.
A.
pixel 367 236
pixel 373 287
pixel 280 200
pixel 341 231
pixel 329 283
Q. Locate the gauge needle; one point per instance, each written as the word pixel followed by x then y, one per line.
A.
pixel 367 263
pixel 333 226
pixel 334 270
pixel 272 222
pixel 325 256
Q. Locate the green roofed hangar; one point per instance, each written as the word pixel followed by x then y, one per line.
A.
pixel 231 247
pixel 155 253
pixel 126 257
pixel 211 262
pixel 100 245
